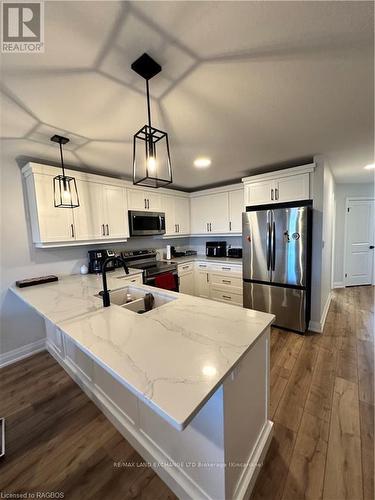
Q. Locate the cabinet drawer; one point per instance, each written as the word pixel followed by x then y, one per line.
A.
pixel 204 266
pixel 228 269
pixel 185 268
pixel 127 280
pixel 229 297
pixel 230 281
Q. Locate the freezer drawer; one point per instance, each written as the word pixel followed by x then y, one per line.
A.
pixel 287 304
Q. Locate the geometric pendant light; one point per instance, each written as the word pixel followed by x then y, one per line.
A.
pixel 151 156
pixel 64 187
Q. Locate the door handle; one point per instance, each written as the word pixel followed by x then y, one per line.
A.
pixel 148 203
pixel 371 247
pixel 276 194
pixel 144 199
pixel 272 194
pixel 178 228
pixel 268 246
pixel 210 227
pixel 72 229
pixel 107 229
pixel 103 230
pixel 230 226
pixel 273 246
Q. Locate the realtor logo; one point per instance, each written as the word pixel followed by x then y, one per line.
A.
pixel 22 27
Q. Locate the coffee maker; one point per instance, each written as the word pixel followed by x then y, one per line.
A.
pixel 96 259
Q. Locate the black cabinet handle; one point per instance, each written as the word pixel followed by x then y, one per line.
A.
pixel 371 247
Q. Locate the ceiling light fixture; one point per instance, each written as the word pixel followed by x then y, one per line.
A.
pixel 202 162
pixel 65 192
pixel 371 166
pixel 151 157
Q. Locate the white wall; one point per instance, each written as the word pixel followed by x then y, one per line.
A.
pixel 344 191
pixel 328 239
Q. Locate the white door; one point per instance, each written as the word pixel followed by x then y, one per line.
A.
pixel 200 214
pixel 182 215
pixel 292 188
pixel 186 283
pixel 258 193
pixel 359 242
pixel 55 224
pixel 88 217
pixel 202 285
pixel 153 201
pixel 137 200
pixel 236 207
pixel 116 212
pixel 168 208
pixel 219 213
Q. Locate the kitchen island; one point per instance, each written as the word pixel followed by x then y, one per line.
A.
pixel 186 383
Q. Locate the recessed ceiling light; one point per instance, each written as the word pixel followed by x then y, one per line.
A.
pixel 202 162
pixel 370 167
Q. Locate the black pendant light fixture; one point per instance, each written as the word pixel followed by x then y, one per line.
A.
pixel 64 187
pixel 151 157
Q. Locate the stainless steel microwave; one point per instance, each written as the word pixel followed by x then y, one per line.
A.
pixel 146 223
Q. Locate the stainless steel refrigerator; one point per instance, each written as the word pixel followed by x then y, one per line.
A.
pixel 277 261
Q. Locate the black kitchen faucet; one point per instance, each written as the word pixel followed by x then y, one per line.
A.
pixel 105 292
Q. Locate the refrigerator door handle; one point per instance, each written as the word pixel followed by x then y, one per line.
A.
pixel 268 246
pixel 273 237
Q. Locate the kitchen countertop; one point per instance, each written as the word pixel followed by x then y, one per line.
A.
pixel 173 358
pixel 204 258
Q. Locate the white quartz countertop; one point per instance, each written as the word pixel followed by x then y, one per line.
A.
pixel 173 358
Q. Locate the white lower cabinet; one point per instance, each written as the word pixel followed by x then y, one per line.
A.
pixel 226 296
pixel 186 278
pixel 129 280
pixel 80 361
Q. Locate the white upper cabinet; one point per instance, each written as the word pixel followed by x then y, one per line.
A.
pixel 139 199
pixel 291 184
pixel 115 212
pixel 292 188
pixel 211 213
pixel 236 207
pixel 102 213
pixel 177 215
pixel 48 224
pixel 88 217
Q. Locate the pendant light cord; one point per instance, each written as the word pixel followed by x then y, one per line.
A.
pixel 148 104
pixel 62 159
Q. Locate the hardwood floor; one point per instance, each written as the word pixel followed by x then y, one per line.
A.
pixel 322 403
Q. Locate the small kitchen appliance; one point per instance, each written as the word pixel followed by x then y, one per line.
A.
pixel 216 248
pixel 96 259
pixel 235 253
pixel 146 223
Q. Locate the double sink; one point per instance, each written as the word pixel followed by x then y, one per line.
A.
pixel 138 300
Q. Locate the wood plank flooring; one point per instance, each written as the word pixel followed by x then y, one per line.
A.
pixel 322 403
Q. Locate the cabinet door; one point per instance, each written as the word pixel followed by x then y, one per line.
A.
pixel 153 201
pixel 116 212
pixel 137 199
pixel 55 224
pixel 236 207
pixel 218 213
pixel 182 215
pixel 202 284
pixel 258 193
pixel 89 216
pixel 199 214
pixel 293 188
pixel 186 283
pixel 168 208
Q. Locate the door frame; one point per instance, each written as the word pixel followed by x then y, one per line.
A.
pixel 348 199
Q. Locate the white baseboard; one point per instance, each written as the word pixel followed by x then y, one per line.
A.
pixel 338 284
pixel 315 326
pixel 25 351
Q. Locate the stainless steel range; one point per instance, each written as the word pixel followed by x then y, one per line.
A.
pixel 155 272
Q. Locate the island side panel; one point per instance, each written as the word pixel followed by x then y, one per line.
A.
pixel 247 430
pixel 198 450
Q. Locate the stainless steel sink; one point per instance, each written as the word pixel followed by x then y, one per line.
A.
pixel 137 295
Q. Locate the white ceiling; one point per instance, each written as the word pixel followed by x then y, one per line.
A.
pixel 249 84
